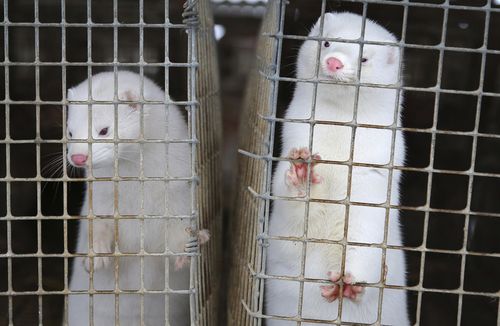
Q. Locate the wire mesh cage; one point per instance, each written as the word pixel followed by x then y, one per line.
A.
pixel 447 206
pixel 71 69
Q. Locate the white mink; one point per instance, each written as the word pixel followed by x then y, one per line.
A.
pixel 335 102
pixel 160 199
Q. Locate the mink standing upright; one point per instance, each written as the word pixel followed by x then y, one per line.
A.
pixel 106 199
pixel 335 102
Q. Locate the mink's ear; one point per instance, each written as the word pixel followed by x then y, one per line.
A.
pixel 392 55
pixel 130 96
pixel 316 28
pixel 71 93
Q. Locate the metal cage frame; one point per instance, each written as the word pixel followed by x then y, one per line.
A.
pixel 252 209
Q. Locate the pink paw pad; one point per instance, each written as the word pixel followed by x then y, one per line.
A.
pixel 181 262
pixel 332 292
pixel 297 174
pixel 202 237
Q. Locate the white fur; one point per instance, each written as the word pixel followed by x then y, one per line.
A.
pixel 376 106
pixel 161 199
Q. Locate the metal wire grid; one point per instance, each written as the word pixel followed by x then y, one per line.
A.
pixel 253 136
pixel 191 104
pixel 209 133
pixel 253 299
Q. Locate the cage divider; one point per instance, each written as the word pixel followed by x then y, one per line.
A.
pixel 463 251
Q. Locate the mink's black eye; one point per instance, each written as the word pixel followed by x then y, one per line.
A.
pixel 103 132
pixel 364 59
pixel 326 44
pixel 70 134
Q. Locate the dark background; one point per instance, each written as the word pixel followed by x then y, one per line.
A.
pixel 457 113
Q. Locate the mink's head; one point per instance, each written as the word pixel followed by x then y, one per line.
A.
pixel 340 60
pixel 104 124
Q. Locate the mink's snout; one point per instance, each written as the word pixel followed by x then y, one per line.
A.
pixel 79 159
pixel 333 64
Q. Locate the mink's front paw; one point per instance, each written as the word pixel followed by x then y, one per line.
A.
pixel 99 263
pixel 297 175
pixel 101 246
pixel 197 239
pixel 350 290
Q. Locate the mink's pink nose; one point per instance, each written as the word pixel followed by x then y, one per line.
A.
pixel 79 159
pixel 334 64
